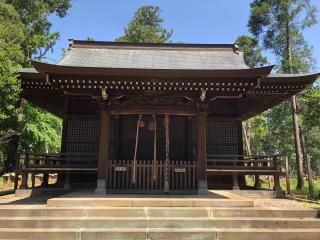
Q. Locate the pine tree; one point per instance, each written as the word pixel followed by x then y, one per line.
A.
pixel 279 23
pixel 145 26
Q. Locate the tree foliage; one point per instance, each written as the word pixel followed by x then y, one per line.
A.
pixel 41 131
pixel 278 22
pixel 252 51
pixel 24 35
pixel 34 17
pixel 145 26
pixel 280 25
pixel 11 36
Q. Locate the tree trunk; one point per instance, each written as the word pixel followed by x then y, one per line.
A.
pixel 297 143
pixel 295 118
pixel 12 154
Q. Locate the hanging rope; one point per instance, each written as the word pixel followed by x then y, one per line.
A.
pixel 166 165
pixel 134 178
pixel 154 164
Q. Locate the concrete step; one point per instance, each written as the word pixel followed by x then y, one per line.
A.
pixel 21 211
pixel 267 234
pixel 104 222
pixel 265 222
pixel 266 212
pixel 161 233
pixel 156 222
pixel 149 202
pixel 25 211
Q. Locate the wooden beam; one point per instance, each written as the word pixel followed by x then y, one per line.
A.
pixel 183 111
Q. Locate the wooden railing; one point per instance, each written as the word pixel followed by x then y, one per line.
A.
pixel 242 162
pixel 54 161
pixel 236 165
pixel 182 176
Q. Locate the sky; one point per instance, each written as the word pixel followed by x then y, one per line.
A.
pixel 192 21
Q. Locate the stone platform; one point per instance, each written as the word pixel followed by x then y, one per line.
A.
pixel 213 199
pixel 220 215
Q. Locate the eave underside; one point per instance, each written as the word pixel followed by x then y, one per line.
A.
pixel 244 96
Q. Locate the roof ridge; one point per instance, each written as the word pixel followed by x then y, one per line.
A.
pixel 166 46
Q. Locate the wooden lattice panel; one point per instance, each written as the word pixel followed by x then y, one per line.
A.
pixel 82 140
pixel 222 137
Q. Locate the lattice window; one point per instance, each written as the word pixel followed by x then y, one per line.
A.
pixel 222 137
pixel 82 140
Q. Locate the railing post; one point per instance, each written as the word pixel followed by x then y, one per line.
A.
pixel 310 177
pixel 287 175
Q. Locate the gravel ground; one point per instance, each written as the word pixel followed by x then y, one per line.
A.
pixel 283 203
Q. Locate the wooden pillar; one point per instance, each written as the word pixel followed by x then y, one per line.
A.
pixel 33 180
pixel 235 182
pixel 24 180
pixel 66 185
pixel 45 180
pixel 103 151
pixel 202 153
pixel 61 176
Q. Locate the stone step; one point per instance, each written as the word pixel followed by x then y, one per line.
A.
pixel 265 222
pixel 156 222
pixel 160 233
pixel 266 212
pixel 267 234
pixel 25 211
pixel 20 211
pixel 149 202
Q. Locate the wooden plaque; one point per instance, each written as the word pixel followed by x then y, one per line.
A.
pixel 120 169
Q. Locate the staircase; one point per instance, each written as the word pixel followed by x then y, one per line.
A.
pixel 229 223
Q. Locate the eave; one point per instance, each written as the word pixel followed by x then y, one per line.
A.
pixel 46 68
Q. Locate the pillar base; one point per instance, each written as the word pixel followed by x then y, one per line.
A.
pixel 101 187
pixel 203 188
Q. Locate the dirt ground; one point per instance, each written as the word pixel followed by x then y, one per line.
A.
pixel 283 203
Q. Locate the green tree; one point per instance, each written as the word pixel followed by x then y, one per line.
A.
pixel 253 56
pixel 41 131
pixel 34 16
pixel 255 128
pixel 310 112
pixel 24 35
pixel 146 27
pixel 280 25
pixel 11 54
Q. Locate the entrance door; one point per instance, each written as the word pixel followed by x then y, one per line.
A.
pixel 148 172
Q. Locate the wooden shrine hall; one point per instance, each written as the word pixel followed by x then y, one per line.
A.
pixel 153 118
